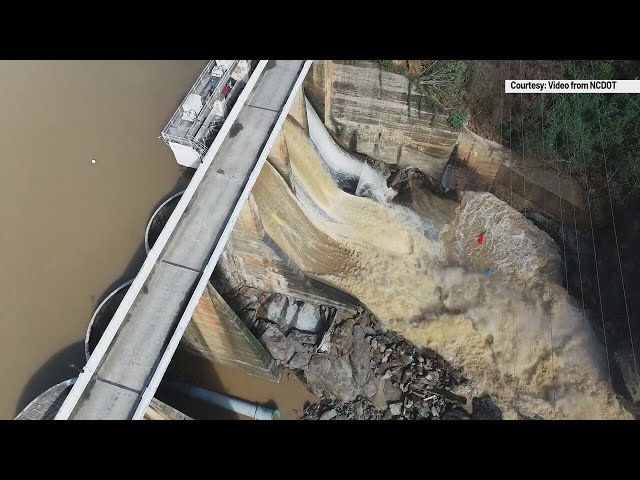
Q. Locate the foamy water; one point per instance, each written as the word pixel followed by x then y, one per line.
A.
pixel 341 164
pixel 516 335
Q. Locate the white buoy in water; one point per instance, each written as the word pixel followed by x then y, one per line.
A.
pixel 93 160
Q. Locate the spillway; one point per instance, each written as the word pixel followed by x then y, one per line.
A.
pixel 517 334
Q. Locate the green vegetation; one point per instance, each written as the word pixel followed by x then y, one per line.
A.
pixel 444 79
pixel 581 133
pixel 457 118
pixel 387 65
pixel 440 81
pixel 340 129
pixel 573 129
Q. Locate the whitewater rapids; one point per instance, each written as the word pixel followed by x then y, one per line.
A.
pixel 516 335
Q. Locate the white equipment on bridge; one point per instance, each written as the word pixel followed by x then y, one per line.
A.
pixel 222 66
pixel 191 107
pixel 196 123
pixel 241 72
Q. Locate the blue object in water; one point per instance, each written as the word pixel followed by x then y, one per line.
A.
pixel 488 271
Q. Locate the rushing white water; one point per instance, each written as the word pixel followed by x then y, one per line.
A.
pixel 517 335
pixel 344 166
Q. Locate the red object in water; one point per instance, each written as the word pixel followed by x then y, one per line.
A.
pixel 481 238
pixel 225 90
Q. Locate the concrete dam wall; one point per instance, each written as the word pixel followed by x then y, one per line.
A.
pixel 374 112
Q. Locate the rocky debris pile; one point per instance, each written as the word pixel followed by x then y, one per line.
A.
pixel 363 409
pixel 359 369
pixel 415 382
pixel 251 304
pixel 294 350
pixel 289 313
pixel 362 371
pixel 243 300
pixel 359 409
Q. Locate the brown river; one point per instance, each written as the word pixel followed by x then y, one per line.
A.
pixel 72 229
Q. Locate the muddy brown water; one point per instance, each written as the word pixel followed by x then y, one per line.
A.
pixel 72 230
pixel 289 395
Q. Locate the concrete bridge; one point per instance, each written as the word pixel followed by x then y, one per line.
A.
pixel 128 363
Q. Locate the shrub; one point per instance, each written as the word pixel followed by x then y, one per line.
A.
pixel 457 118
pixel 444 79
pixel 592 128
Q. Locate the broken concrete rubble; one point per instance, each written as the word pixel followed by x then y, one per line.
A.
pixel 279 346
pixel 303 338
pixel 329 414
pixel 299 360
pixel 290 314
pixel 332 377
pixel 395 409
pixel 390 392
pixel 362 371
pixel 359 369
pixel 359 409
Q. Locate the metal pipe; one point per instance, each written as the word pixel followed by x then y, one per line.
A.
pixel 87 337
pixel 248 409
pixel 147 247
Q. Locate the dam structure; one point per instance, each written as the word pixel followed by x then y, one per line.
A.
pixel 325 196
pixel 128 363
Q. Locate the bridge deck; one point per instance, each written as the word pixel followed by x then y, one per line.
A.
pixel 117 383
